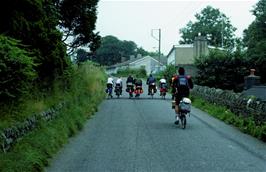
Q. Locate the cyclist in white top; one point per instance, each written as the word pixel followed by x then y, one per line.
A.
pixel 109 85
pixel 119 85
pixel 163 85
pixel 110 80
pixel 119 81
pixel 162 81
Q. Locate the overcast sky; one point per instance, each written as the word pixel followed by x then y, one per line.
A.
pixel 133 20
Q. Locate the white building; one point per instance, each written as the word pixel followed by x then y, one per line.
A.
pixel 150 64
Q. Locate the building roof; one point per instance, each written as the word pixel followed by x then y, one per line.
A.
pixel 132 61
pixel 142 58
pixel 179 46
pixel 190 46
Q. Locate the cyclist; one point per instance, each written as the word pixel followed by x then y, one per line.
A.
pixel 151 83
pixel 119 84
pixel 182 84
pixel 130 83
pixel 109 85
pixel 171 83
pixel 138 87
pixel 163 85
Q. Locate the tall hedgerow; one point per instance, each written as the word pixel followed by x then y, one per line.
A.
pixel 16 69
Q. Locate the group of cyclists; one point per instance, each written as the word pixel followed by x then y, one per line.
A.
pixel 135 83
pixel 180 84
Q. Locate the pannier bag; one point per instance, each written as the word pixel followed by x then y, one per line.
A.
pixel 185 105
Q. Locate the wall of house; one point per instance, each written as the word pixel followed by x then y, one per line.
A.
pixel 184 55
pixel 190 69
pixel 146 62
pixel 171 58
pixel 154 66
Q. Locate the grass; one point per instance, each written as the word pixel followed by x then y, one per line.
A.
pixel 246 125
pixel 33 151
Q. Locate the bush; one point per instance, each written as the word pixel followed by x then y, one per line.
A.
pixel 139 73
pixel 234 67
pixel 16 69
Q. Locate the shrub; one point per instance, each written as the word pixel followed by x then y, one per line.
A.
pixel 16 69
pixel 139 73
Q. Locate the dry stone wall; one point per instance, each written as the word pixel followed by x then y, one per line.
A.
pixel 238 103
pixel 11 135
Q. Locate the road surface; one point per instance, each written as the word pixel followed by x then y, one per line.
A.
pixel 139 135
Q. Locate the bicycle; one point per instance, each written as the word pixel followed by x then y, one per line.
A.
pixel 184 109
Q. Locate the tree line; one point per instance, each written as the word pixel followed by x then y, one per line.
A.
pixel 35 38
pixel 112 50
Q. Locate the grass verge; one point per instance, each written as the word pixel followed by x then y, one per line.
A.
pixel 32 152
pixel 246 125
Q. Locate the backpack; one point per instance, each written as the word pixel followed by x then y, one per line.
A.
pixel 151 80
pixel 182 81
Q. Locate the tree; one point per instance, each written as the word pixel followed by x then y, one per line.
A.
pixel 82 56
pixel 255 40
pixel 16 69
pixel 34 22
pixel 128 48
pixel 112 50
pixel 220 69
pixel 39 25
pixel 109 52
pixel 77 20
pixel 141 51
pixel 210 23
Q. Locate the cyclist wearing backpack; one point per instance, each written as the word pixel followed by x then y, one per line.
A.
pixel 151 82
pixel 182 84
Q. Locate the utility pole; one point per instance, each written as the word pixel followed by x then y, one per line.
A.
pixel 159 40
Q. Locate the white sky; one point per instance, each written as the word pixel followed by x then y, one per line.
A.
pixel 133 20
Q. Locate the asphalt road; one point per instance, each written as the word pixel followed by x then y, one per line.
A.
pixel 139 135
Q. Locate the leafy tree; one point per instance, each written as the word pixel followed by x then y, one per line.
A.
pixel 34 22
pixel 255 40
pixel 109 52
pixel 169 72
pixel 43 24
pixel 210 23
pixel 77 19
pixel 112 49
pixel 82 56
pixel 128 48
pixel 16 69
pixel 221 69
pixel 141 51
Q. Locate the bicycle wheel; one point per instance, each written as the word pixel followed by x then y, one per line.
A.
pixel 183 120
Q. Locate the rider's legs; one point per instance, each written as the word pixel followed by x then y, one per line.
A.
pixel 177 101
pixel 110 86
